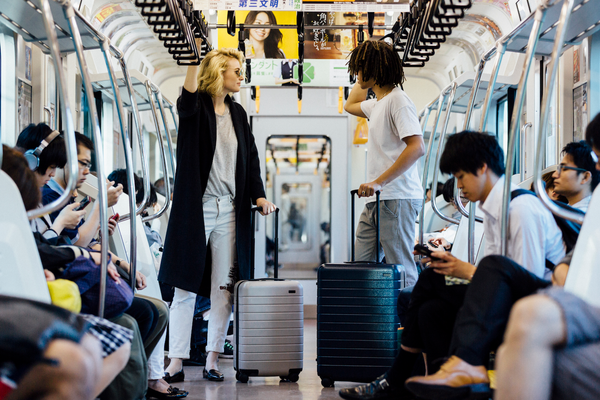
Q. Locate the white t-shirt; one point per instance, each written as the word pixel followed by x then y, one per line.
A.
pixel 392 119
pixel 533 235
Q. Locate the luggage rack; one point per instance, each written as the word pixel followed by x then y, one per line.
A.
pixel 25 18
pixel 583 22
pixel 101 82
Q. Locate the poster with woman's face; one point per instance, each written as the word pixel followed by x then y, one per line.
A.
pixel 263 43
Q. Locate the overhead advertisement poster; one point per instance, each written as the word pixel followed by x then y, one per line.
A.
pixel 324 73
pixel 324 42
pixel 263 43
pixel 280 5
pixel 358 5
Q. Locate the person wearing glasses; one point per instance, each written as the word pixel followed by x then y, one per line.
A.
pixel 217 180
pixel 84 233
pixel 576 176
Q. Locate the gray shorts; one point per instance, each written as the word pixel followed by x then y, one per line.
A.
pixel 577 364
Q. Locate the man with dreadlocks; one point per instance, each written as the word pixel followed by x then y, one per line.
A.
pixel 395 144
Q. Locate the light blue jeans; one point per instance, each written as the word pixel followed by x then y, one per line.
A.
pixel 397 236
pixel 219 226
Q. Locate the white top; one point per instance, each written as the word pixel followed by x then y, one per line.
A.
pixel 392 119
pixel 533 234
pixel 221 179
pixel 583 204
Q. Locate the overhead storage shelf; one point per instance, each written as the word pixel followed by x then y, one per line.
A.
pixel 25 18
pixel 101 83
pixel 584 21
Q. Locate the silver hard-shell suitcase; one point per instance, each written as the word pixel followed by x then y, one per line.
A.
pixel 268 325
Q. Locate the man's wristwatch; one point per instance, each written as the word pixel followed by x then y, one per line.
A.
pixel 118 263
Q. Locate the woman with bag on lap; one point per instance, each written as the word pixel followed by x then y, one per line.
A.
pixel 208 239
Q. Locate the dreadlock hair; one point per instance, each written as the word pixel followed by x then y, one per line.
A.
pixel 377 60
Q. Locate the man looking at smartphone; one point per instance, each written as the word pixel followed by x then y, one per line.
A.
pixel 86 230
pixel 394 147
pixel 477 162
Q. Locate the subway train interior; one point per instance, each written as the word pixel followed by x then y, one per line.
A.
pixel 320 302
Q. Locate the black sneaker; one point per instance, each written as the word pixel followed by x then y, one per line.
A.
pixel 227 350
pixel 376 390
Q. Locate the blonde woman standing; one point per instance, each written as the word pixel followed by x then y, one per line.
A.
pixel 207 246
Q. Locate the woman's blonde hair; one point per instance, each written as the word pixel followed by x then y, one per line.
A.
pixel 210 77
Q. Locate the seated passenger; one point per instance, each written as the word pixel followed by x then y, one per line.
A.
pixel 151 315
pixel 497 284
pixel 549 182
pixel 576 176
pixel 440 290
pixel 111 341
pixel 552 342
pixel 53 156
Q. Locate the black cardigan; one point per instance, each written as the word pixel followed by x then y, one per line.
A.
pixel 184 262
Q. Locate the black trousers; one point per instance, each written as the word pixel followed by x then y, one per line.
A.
pixel 429 319
pixel 497 285
pixel 146 315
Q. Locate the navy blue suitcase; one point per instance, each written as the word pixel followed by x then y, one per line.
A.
pixel 357 322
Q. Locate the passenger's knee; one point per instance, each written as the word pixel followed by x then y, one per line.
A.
pixel 78 369
pixel 531 320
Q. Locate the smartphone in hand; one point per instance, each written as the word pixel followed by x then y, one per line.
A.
pixel 115 217
pixel 83 204
pixel 424 250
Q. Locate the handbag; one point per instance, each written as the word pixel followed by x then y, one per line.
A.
pixel 65 294
pixel 86 274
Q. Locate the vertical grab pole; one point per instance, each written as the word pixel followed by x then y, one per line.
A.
pixel 159 100
pixel 436 164
pixel 165 167
pixel 105 46
pixel 565 14
pixel 523 141
pixel 500 50
pixel 540 14
pixel 89 95
pixel 174 115
pixel 72 165
pixel 440 102
pixel 136 118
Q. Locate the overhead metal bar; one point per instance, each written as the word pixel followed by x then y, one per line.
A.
pixel 128 162
pixel 440 101
pixel 71 144
pixel 567 13
pixel 540 15
pixel 97 135
pixel 585 21
pixel 436 168
pixel 295 27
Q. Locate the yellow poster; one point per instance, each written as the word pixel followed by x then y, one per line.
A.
pixel 263 43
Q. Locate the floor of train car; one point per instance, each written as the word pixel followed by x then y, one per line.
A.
pixel 308 386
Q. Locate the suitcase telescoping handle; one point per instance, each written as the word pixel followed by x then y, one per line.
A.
pixel 253 212
pixel 352 194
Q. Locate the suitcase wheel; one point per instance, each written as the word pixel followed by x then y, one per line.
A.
pixel 326 382
pixel 241 377
pixel 290 378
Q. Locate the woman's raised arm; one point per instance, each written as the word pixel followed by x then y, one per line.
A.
pixel 191 78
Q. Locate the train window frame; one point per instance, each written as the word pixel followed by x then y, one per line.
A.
pixel 509 100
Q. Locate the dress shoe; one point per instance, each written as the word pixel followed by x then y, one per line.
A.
pixel 172 393
pixel 212 375
pixel 455 379
pixel 379 389
pixel 178 377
